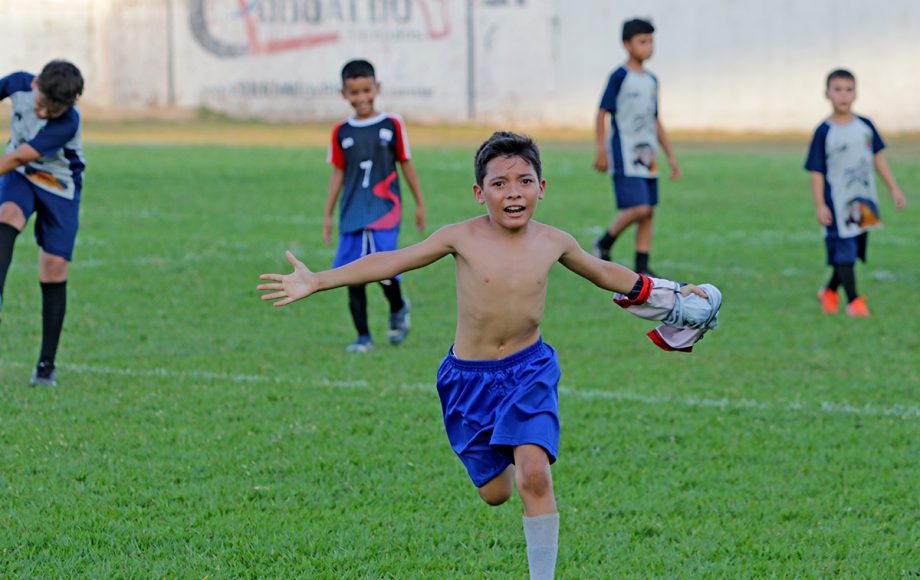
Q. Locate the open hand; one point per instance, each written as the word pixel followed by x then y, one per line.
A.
pixel 298 284
pixel 824 215
pixel 688 289
pixel 900 202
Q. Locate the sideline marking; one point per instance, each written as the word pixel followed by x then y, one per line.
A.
pixel 906 412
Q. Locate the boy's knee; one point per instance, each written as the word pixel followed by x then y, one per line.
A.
pixel 494 496
pixel 11 214
pixel 533 478
pixel 644 212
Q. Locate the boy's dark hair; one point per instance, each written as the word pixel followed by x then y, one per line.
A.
pixel 357 68
pixel 839 73
pixel 636 26
pixel 61 83
pixel 506 144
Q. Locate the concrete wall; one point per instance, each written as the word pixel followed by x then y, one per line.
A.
pixel 723 64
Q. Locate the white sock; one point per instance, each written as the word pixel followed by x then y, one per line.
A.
pixel 542 533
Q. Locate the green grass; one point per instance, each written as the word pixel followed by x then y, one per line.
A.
pixel 199 432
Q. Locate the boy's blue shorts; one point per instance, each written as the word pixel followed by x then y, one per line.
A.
pixel 844 251
pixel 57 218
pixel 633 191
pixel 492 406
pixel 355 245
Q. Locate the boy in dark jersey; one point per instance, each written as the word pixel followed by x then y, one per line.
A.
pixel 42 173
pixel 364 152
pixel 845 154
pixel 498 383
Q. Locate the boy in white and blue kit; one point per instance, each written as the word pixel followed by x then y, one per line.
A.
pixel 42 173
pixel 630 154
pixel 845 152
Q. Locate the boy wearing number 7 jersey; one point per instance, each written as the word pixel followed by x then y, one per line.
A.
pixel 364 152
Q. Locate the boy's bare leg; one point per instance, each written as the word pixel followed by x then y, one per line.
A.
pixel 541 520
pixel 534 480
pixel 498 490
pixel 12 221
pixel 627 217
pixel 644 233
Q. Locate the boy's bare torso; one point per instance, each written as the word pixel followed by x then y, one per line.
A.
pixel 501 285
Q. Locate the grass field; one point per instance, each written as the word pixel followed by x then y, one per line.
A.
pixel 198 432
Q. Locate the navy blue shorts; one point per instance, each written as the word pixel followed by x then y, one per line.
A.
pixel 355 245
pixel 492 406
pixel 57 218
pixel 846 250
pixel 633 191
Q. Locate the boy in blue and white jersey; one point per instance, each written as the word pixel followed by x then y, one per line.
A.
pixel 42 173
pixel 364 152
pixel 630 154
pixel 845 153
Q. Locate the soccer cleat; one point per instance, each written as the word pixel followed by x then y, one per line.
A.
pixel 858 308
pixel 400 324
pixel 829 299
pixel 364 344
pixel 598 252
pixel 44 375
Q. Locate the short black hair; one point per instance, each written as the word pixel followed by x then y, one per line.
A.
pixel 61 83
pixel 636 26
pixel 357 68
pixel 839 73
pixel 506 144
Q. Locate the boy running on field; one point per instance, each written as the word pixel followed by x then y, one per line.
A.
pixel 498 383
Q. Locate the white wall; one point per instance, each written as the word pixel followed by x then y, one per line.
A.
pixel 723 64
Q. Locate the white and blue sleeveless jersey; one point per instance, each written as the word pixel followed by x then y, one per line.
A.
pixel 59 170
pixel 845 156
pixel 632 99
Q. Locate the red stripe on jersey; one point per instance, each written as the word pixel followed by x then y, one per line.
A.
pixel 335 155
pixel 402 140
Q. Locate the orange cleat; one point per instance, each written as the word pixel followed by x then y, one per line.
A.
pixel 858 307
pixel 829 299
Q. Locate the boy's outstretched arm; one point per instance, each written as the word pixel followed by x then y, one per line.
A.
pixel 22 155
pixel 607 275
pixel 408 170
pixel 335 186
pixel 302 282
pixel 817 191
pixel 666 145
pixel 881 165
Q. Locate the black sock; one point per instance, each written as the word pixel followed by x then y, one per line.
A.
pixel 606 241
pixel 847 276
pixel 54 304
pixel 357 303
pixel 641 262
pixel 834 282
pixel 7 239
pixel 394 295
